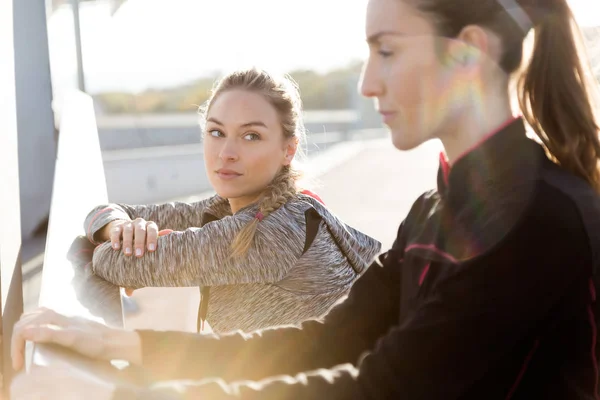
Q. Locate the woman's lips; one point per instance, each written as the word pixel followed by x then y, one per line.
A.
pixel 387 115
pixel 227 174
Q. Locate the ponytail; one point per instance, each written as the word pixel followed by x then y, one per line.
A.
pixel 555 95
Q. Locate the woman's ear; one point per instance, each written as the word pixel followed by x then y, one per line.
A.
pixel 290 150
pixel 473 43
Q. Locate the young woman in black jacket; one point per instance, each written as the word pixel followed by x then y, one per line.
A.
pixel 489 291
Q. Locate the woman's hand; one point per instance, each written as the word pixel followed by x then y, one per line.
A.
pixel 137 235
pixel 82 335
pixel 59 383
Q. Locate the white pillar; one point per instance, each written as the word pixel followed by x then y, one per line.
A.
pixel 10 226
pixel 35 118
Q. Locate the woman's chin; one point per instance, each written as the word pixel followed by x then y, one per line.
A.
pixel 405 142
pixel 232 193
pixel 226 189
pixel 226 194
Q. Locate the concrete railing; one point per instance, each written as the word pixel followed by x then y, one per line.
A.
pixel 68 286
pixel 11 295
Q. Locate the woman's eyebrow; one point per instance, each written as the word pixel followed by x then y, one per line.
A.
pixel 375 38
pixel 245 125
pixel 254 123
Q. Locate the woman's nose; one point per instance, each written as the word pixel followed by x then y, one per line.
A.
pixel 370 84
pixel 229 152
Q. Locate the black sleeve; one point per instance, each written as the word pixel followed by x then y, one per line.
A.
pixel 466 323
pixel 349 329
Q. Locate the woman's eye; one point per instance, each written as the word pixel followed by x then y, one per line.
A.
pixel 215 133
pixel 385 53
pixel 252 137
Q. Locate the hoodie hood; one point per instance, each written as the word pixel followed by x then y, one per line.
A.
pixel 359 248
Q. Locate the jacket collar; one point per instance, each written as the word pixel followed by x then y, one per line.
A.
pixel 504 157
pixel 484 193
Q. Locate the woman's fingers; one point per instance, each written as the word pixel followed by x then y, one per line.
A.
pixel 151 236
pixel 128 232
pixel 49 334
pixel 137 236
pixel 47 326
pixel 35 318
pixel 140 236
pixel 81 341
pixel 18 341
pixel 115 235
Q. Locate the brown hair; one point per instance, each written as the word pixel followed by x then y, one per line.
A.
pixel 282 93
pixel 554 89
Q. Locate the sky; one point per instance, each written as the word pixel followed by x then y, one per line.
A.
pixel 157 43
pixel 160 43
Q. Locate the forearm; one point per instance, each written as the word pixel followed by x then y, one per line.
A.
pixel 200 257
pixel 124 345
pixel 175 355
pixel 154 269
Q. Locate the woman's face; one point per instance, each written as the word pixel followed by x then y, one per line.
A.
pixel 415 86
pixel 244 145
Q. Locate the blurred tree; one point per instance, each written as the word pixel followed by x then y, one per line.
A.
pixel 335 89
pixel 116 103
pixel 189 98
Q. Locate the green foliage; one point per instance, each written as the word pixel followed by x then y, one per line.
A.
pixel 335 89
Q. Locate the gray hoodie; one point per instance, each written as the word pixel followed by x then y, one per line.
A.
pixel 287 276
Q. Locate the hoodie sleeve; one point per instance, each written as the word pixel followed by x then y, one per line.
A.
pixel 175 215
pixel 202 256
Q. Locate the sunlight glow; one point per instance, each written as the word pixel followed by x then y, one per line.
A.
pixel 587 12
pixel 156 43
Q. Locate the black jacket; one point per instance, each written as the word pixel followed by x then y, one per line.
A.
pixel 489 292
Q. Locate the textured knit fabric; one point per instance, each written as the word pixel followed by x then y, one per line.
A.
pixel 276 283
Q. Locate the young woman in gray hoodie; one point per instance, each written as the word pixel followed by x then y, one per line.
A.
pixel 266 252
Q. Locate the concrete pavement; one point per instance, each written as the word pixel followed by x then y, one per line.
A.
pixel 373 190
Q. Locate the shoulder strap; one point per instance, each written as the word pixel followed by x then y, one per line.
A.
pixel 313 220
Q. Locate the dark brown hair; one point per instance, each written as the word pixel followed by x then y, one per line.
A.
pixel 554 89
